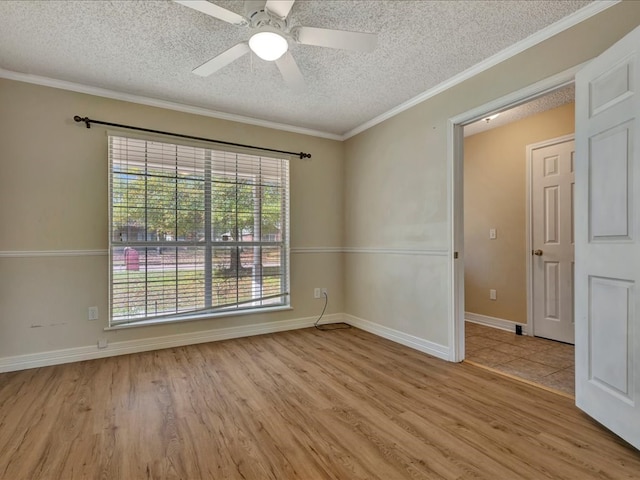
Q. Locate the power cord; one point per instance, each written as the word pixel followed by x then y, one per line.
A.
pixel 329 326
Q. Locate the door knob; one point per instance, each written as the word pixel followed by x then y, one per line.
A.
pixel 537 252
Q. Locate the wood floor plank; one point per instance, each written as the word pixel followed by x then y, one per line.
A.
pixel 302 405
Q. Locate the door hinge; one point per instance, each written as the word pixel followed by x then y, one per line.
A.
pixel 455 255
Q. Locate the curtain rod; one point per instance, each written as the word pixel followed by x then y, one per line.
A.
pixel 88 121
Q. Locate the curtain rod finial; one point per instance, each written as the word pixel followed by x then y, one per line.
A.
pixel 86 120
pixel 304 155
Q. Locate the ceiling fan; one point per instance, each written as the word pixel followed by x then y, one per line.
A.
pixel 271 36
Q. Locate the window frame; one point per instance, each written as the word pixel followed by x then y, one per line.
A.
pixel 210 243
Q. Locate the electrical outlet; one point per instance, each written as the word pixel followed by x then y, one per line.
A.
pixel 492 294
pixel 325 292
pixel 493 234
pixel 102 343
pixel 93 313
pixel 316 293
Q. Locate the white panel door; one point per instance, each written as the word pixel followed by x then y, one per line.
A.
pixel 552 262
pixel 607 239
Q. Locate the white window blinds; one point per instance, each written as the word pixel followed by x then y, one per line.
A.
pixel 195 231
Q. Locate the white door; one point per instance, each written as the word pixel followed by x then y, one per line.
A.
pixel 552 185
pixel 607 246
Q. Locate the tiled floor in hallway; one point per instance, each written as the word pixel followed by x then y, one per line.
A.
pixel 542 361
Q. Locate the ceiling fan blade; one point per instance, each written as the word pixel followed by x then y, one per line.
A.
pixel 324 37
pixel 214 11
pixel 279 8
pixel 290 72
pixel 222 60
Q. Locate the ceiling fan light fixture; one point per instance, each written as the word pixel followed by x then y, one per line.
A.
pixel 269 46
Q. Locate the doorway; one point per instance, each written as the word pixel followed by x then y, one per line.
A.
pixel 497 290
pixel 606 226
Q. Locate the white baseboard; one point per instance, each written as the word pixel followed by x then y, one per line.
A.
pixel 417 343
pixel 90 352
pixel 494 322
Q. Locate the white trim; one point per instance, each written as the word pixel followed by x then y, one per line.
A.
pixel 567 22
pixel 92 253
pixel 294 250
pixel 150 322
pixel 455 202
pixel 89 352
pixel 398 251
pixel 52 253
pixel 153 102
pixel 500 323
pixel 455 191
pixel 529 220
pixel 417 343
pixel 519 97
pixel 316 250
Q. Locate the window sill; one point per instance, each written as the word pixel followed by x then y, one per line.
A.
pixel 191 318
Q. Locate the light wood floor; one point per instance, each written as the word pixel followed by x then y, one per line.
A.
pixel 305 404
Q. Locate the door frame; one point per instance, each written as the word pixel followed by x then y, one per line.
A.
pixel 455 197
pixel 529 220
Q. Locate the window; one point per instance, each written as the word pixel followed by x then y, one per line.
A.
pixel 195 231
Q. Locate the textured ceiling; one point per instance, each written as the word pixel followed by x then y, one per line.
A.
pixel 554 99
pixel 149 48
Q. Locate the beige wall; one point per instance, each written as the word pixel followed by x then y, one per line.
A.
pixel 383 194
pixel 495 197
pixel 396 185
pixel 53 197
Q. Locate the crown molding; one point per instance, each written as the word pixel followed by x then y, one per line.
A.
pixel 153 102
pixel 511 51
pixel 567 22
